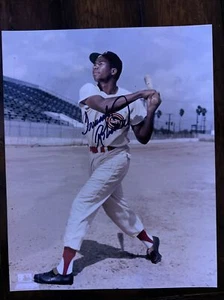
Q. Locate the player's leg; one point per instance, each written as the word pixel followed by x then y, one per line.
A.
pixel 101 184
pixel 93 194
pixel 129 222
pixel 121 214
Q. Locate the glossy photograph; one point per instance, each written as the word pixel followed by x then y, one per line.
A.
pixel 110 158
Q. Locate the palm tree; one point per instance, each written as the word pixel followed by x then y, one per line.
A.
pixel 198 112
pixel 181 113
pixel 203 112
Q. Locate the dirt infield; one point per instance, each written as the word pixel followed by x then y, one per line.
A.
pixel 170 185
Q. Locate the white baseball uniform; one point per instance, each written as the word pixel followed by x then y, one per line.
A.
pixel 107 169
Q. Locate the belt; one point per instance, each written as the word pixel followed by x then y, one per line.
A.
pixel 101 149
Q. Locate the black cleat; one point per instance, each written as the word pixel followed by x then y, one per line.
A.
pixel 52 278
pixel 154 255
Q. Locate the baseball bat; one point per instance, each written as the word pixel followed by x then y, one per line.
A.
pixel 149 85
pixel 148 81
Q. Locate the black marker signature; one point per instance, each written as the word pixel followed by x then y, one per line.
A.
pixel 103 131
pixel 91 125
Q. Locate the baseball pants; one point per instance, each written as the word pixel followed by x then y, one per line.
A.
pixel 103 188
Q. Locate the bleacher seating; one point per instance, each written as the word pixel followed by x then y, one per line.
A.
pixel 27 103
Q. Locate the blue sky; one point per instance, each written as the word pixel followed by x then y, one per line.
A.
pixel 178 58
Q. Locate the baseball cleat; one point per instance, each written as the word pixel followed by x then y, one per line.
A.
pixel 154 254
pixel 52 278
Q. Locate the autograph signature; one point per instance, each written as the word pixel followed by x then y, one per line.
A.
pixel 113 122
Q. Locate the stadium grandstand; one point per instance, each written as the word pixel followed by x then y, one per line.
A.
pixel 28 102
pixel 33 115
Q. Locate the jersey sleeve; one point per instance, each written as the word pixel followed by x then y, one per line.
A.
pixel 138 112
pixel 86 91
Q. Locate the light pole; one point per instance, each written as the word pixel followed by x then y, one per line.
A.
pixel 169 122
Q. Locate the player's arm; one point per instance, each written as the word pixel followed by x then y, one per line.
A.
pixel 143 131
pixel 113 104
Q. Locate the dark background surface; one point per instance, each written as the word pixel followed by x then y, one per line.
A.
pixel 71 14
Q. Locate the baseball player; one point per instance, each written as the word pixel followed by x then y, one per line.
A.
pixel 108 113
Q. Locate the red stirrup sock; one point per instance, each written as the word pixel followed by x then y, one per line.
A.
pixel 146 239
pixel 66 263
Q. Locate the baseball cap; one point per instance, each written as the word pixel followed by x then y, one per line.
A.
pixel 113 58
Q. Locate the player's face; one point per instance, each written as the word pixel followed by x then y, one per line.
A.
pixel 101 69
